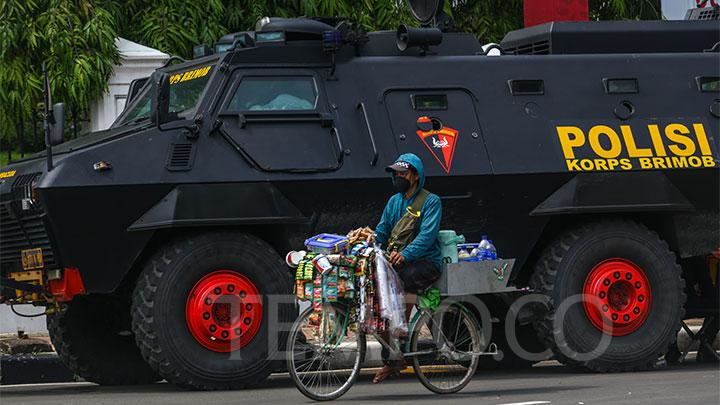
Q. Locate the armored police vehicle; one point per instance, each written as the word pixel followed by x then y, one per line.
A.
pixel 587 151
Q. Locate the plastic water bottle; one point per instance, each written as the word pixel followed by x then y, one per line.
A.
pixel 490 252
pixel 481 250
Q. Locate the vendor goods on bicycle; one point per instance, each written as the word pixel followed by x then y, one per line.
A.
pixel 353 292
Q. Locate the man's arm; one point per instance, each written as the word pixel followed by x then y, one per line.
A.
pixel 429 229
pixel 384 227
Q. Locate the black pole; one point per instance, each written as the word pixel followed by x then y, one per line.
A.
pixel 21 138
pixel 47 117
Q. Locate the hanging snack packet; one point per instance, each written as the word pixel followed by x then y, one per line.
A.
pixel 300 289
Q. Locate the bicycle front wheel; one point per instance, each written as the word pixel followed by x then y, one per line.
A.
pixel 445 347
pixel 324 355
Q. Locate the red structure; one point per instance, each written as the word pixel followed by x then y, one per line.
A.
pixel 543 11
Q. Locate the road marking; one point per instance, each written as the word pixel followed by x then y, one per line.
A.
pixel 527 403
pixel 65 384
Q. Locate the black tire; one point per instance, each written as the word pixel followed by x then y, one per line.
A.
pixel 443 328
pixel 93 339
pixel 561 272
pixel 159 305
pixel 297 346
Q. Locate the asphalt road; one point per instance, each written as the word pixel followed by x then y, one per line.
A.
pixel 547 383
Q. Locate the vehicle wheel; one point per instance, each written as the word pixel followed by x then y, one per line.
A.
pixel 201 311
pixel 632 296
pixel 93 339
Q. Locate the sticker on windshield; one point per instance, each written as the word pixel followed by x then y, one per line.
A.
pixel 190 75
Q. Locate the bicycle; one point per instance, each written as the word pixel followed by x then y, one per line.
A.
pixel 325 358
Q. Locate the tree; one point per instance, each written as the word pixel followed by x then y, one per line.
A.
pixel 75 39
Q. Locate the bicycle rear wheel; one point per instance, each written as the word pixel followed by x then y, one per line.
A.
pixel 324 356
pixel 445 347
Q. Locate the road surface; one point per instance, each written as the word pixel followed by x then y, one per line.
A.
pixel 547 383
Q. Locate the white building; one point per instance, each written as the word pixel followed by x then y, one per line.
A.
pixel 136 61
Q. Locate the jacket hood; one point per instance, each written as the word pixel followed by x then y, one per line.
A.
pixel 418 165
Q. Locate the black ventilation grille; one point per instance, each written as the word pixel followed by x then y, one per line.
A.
pixel 534 48
pixel 181 156
pixel 19 231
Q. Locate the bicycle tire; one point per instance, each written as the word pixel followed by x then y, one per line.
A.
pixel 306 385
pixel 433 323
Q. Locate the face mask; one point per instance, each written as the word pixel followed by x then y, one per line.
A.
pixel 402 185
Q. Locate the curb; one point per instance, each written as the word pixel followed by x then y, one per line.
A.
pixel 32 369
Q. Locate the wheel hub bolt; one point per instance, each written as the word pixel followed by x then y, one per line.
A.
pixel 248 307
pixel 217 291
pixel 602 294
pixel 628 276
pixel 626 317
pixel 206 316
pixel 616 274
pixel 607 281
pixel 605 308
pixel 231 288
pixel 213 328
pixel 641 298
pixel 224 334
pixel 238 331
pixel 246 321
pixel 208 301
pixel 614 317
pixel 636 310
pixel 638 285
pixel 243 294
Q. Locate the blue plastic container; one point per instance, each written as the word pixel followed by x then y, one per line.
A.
pixel 327 243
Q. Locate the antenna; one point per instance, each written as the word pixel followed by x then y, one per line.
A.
pixel 48 117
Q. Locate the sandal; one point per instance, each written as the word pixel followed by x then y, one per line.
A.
pixel 384 373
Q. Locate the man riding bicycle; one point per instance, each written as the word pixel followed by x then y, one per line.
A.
pixel 408 231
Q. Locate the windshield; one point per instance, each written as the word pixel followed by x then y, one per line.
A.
pixel 186 88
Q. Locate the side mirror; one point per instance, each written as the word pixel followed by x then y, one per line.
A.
pixel 57 132
pixel 161 101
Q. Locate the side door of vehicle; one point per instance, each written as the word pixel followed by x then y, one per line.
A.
pixel 279 121
pixel 440 125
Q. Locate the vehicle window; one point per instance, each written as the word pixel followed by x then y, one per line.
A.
pixel 256 93
pixel 138 111
pixel 186 88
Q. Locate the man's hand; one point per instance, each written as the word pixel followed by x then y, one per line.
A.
pixel 396 259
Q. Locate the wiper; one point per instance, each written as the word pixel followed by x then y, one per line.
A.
pixel 135 121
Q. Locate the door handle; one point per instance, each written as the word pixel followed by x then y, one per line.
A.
pixel 341 150
pixel 374 159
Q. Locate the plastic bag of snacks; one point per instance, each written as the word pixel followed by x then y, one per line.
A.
pixel 390 294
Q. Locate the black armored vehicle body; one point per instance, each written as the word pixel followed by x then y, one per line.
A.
pixel 157 244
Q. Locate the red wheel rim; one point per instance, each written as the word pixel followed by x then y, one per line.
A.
pixel 224 311
pixel 617 297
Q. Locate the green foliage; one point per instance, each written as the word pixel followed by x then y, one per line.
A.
pixel 75 38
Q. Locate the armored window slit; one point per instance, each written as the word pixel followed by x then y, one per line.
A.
pixel 708 84
pixel 526 87
pixel 621 86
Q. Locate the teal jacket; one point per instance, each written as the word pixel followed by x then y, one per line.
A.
pixel 426 244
